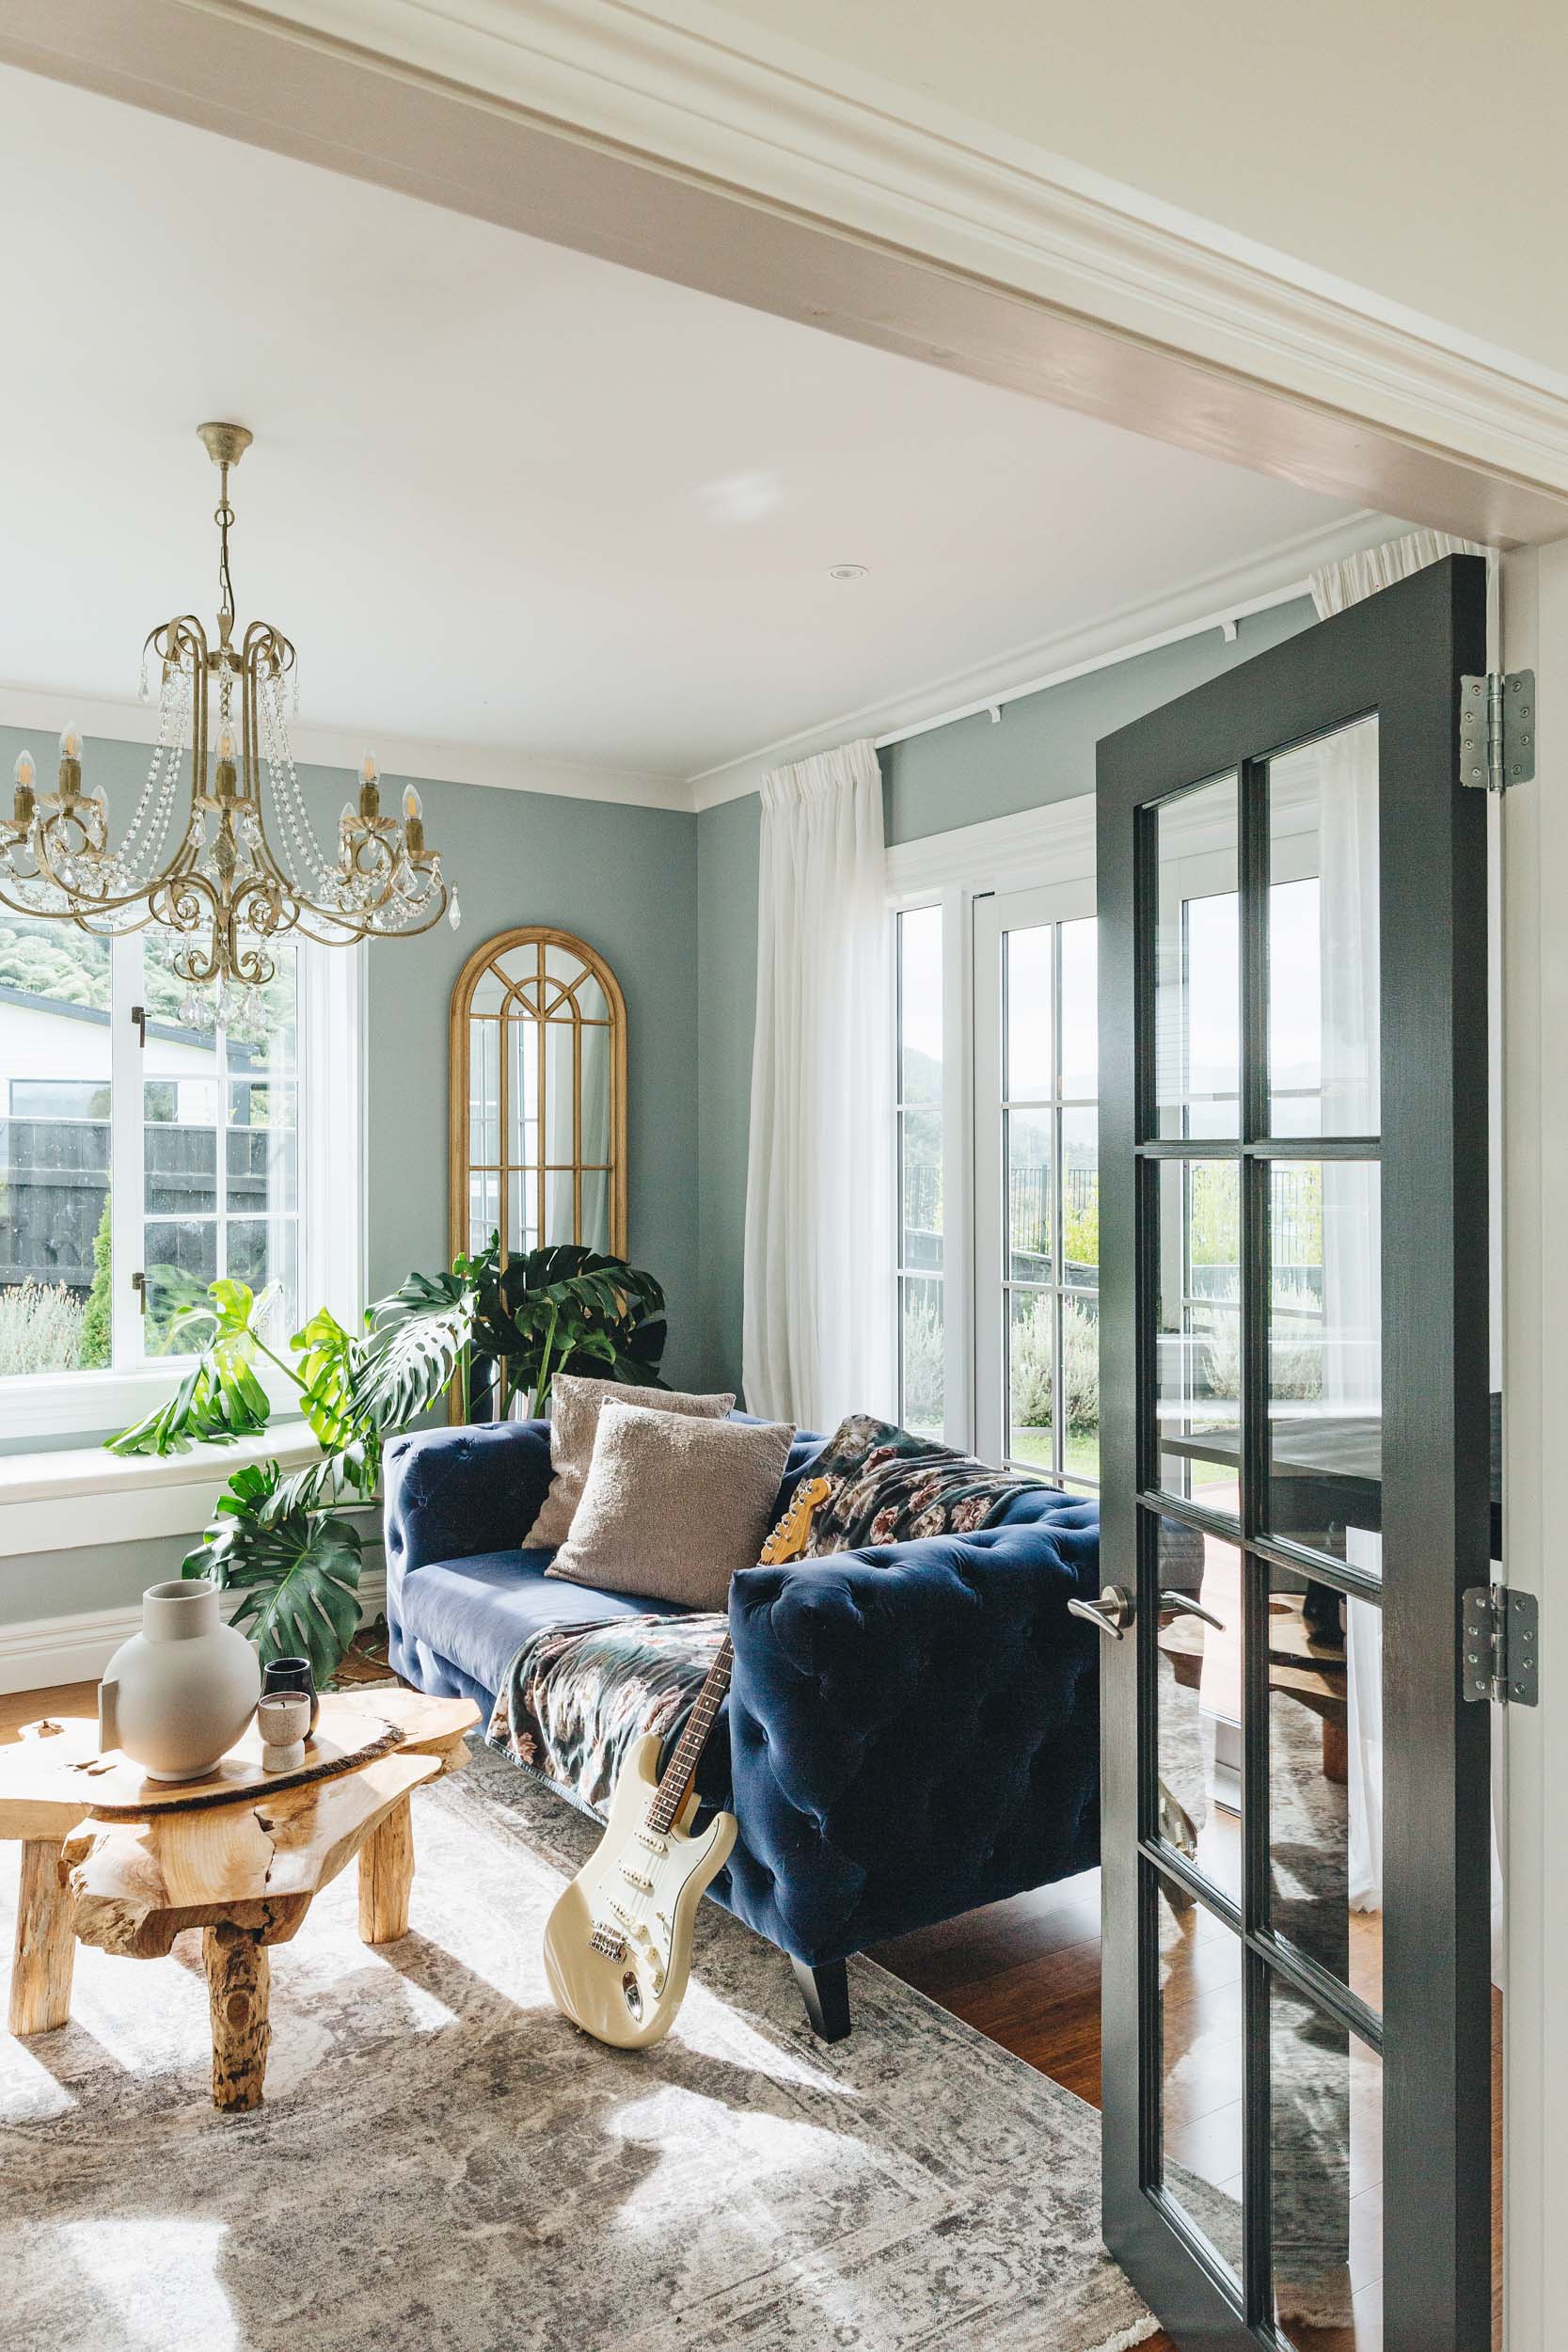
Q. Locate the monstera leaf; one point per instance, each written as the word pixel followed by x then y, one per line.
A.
pixel 220 1398
pixel 296 1570
pixel 418 1338
pixel 566 1309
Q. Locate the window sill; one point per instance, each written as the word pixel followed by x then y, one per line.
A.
pixel 85 1495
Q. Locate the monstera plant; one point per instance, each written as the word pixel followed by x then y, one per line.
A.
pixel 288 1542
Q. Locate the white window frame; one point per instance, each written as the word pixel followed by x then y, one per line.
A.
pixel 1048 846
pixel 88 1404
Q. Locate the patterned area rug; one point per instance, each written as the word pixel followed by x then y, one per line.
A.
pixel 443 2161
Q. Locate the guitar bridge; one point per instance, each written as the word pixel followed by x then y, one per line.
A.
pixel 605 1940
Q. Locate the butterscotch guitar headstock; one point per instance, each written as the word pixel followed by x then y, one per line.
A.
pixel 790 1537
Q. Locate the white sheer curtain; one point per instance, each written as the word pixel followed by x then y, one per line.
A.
pixel 1351 1251
pixel 819 1268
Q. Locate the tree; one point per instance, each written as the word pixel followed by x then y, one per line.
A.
pixel 95 1347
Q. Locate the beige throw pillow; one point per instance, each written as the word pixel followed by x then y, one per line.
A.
pixel 575 1406
pixel 673 1506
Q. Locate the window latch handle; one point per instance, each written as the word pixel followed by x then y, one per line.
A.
pixel 138 1018
pixel 138 1283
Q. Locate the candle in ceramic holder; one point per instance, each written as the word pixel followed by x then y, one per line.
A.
pixel 283 1717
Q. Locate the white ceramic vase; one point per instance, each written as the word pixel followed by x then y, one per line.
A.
pixel 177 1694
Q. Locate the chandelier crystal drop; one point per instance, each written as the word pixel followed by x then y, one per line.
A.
pixel 218 881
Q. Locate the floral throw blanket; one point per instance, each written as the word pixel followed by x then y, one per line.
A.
pixel 885 1486
pixel 578 1695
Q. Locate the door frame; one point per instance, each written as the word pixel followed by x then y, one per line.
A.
pixel 1435 1461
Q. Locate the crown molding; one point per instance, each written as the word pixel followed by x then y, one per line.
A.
pixel 1209 600
pixel 678 140
pixel 45 709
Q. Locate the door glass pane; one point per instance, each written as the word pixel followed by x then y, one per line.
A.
pixel 1325 1778
pixel 1032 1377
pixel 1198 1035
pixel 1326 2151
pixel 1325 1358
pixel 1026 993
pixel 1200 2072
pixel 1029 1240
pixel 921 1322
pixel 1198 1794
pixel 1199 1327
pixel 920 1159
pixel 1081 1010
pixel 1324 961
pixel 920 1006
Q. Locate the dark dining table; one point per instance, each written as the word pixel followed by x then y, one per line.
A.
pixel 1333 1465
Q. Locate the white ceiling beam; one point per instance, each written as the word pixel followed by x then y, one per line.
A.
pixel 651 140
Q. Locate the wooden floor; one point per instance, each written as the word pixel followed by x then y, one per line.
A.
pixel 1025 1972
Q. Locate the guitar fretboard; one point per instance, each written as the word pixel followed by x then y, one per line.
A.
pixel 681 1770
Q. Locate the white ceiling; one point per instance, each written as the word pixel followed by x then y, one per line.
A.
pixel 506 495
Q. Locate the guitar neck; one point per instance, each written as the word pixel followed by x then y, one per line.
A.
pixel 681 1770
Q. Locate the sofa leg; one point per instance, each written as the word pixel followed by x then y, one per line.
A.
pixel 825 1994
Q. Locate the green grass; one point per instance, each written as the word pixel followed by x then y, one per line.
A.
pixel 1036 1447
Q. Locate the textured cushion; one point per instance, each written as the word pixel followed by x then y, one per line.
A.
pixel 673 1506
pixel 888 1486
pixel 575 1405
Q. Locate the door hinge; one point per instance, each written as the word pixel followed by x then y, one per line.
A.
pixel 1502 1655
pixel 1497 729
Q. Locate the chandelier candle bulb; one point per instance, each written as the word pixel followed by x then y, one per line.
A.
pixel 413 823
pixel 22 804
pixel 71 764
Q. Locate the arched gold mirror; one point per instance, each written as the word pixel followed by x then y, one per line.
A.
pixel 538 1116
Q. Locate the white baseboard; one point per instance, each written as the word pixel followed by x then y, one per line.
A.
pixel 39 1652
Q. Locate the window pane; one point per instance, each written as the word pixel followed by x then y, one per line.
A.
pixel 1200 2080
pixel 1032 1377
pixel 1198 1331
pixel 1197 964
pixel 1325 2156
pixel 264 1250
pixel 1081 1199
pixel 1029 1218
pixel 1080 1385
pixel 920 1039
pixel 1197 1742
pixel 1080 1010
pixel 920 1181
pixel 1325 1367
pixel 54 1098
pixel 263 1169
pixel 181 1146
pixel 922 1386
pixel 1323 958
pixel 1026 990
pixel 1325 1778
pixel 179 1260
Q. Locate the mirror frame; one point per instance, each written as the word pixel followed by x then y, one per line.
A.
pixel 484 957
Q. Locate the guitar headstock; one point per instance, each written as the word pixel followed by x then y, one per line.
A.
pixel 793 1532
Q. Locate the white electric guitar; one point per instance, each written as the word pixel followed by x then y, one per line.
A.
pixel 618 1945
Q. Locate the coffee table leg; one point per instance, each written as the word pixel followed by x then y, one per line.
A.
pixel 45 1941
pixel 386 1877
pixel 238 1974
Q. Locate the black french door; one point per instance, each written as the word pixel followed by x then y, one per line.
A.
pixel 1295 1491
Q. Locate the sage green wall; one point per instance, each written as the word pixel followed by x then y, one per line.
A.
pixel 625 880
pixel 1042 750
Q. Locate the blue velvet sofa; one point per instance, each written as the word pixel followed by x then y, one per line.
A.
pixel 912 1729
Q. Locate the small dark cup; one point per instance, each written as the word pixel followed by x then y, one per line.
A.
pixel 293 1673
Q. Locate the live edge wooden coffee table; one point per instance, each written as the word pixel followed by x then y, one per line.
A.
pixel 122 1862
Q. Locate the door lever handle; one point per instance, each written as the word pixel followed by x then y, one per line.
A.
pixel 1183 1605
pixel 1112 1612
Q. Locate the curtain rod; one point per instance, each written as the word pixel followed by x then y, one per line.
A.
pixel 1226 619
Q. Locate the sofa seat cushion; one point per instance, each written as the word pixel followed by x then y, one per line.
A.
pixel 478 1612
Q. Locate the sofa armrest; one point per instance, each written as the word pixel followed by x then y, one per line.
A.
pixel 913 1730
pixel 451 1493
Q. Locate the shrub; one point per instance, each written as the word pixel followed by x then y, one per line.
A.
pixel 924 1385
pixel 40 1328
pixel 1033 1385
pixel 94 1347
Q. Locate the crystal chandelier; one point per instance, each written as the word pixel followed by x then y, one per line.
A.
pixel 222 887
